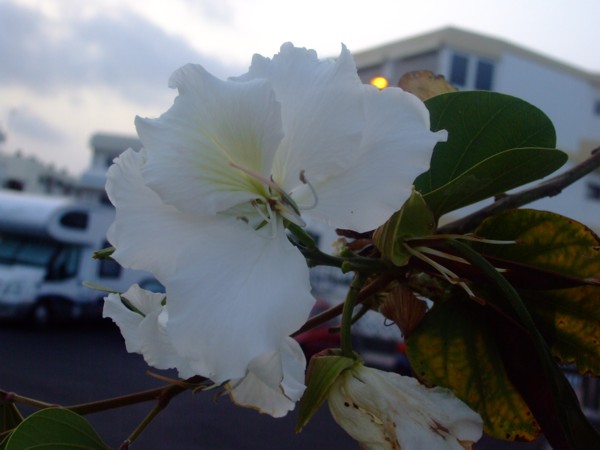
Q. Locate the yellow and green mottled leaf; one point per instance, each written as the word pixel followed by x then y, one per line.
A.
pixel 569 318
pixel 453 348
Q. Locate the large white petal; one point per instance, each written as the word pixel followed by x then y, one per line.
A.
pixel 235 295
pixel 322 110
pixel 293 362
pixel 146 232
pixel 396 147
pixel 212 124
pixel 274 382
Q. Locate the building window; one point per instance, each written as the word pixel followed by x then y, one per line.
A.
pixel 484 75
pixel 458 70
pixel 593 191
pixel 597 107
pixel 471 72
pixel 14 185
pixel 75 219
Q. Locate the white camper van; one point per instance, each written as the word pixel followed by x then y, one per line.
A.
pixel 46 248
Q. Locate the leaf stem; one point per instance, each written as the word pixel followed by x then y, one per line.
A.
pixel 117 402
pixel 345 327
pixel 12 397
pixel 549 188
pixel 378 284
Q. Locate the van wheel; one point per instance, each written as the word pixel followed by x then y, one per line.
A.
pixel 42 314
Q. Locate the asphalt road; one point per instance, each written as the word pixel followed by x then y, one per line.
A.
pixel 88 362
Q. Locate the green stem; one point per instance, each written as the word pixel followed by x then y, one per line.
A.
pixel 348 264
pixel 303 237
pixel 377 285
pixel 345 327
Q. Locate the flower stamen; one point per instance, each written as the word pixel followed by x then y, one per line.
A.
pixel 312 190
pixel 285 200
pixel 448 274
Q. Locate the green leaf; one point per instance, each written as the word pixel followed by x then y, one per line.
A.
pixel 480 125
pixel 497 174
pixel 569 319
pixel 453 348
pixel 414 219
pixel 321 374
pixel 55 429
pixel 559 414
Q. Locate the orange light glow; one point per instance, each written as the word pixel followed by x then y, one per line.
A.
pixel 379 82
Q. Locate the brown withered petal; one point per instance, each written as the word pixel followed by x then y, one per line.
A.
pixel 425 84
pixel 403 307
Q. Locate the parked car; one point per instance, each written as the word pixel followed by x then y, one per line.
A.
pixel 321 337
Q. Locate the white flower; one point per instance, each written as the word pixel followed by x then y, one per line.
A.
pixel 203 206
pixel 273 383
pixel 384 410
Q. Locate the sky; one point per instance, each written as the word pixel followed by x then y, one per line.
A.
pixel 71 68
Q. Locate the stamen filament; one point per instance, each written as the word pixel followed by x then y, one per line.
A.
pixel 285 198
pixel 260 212
pixel 450 276
pixel 312 190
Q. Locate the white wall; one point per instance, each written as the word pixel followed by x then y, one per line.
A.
pixel 566 99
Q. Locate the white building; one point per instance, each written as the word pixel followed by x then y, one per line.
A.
pixel 568 95
pixel 26 173
pixel 105 148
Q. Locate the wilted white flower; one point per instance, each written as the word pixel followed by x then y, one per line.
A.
pixel 383 410
pixel 204 205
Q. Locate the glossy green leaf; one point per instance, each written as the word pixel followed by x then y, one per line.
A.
pixel 321 374
pixel 480 125
pixel 495 175
pixel 568 318
pixel 55 429
pixel 414 219
pixel 453 348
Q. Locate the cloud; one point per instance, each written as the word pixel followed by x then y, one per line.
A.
pixel 27 122
pixel 121 50
pixel 218 10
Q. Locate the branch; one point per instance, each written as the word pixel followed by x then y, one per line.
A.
pixel 378 284
pixel 549 188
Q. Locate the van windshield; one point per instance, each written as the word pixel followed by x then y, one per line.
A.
pixel 26 250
